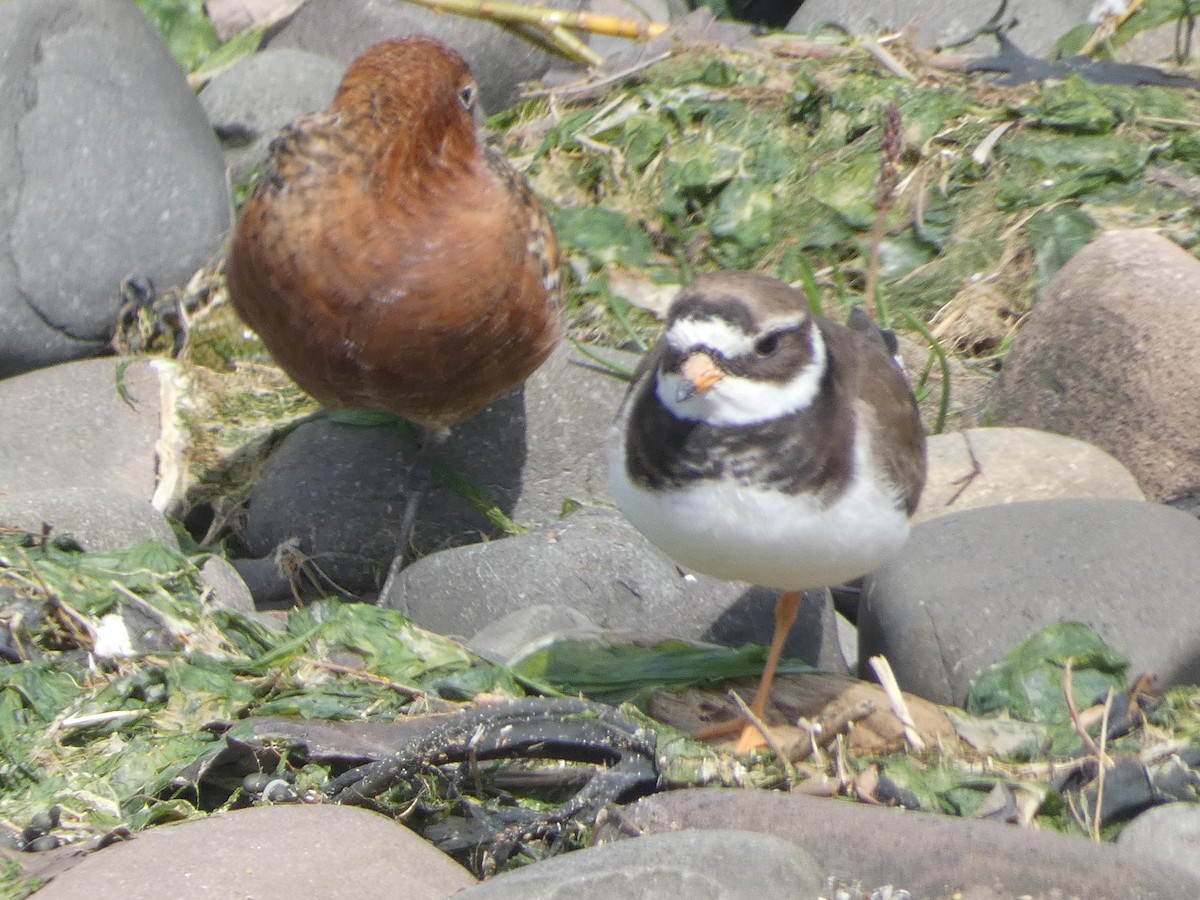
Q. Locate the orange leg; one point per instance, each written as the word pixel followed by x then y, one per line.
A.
pixel 786 609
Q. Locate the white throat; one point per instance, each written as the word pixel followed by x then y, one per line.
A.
pixel 735 400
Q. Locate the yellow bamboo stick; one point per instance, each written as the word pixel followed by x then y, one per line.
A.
pixel 569 43
pixel 547 17
pixel 1108 28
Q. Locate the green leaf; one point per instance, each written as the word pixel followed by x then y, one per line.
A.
pixel 333 699
pixel 562 135
pixel 388 643
pixel 940 787
pixel 924 114
pixel 1028 683
pixel 1072 42
pixel 719 73
pixel 817 225
pixel 1081 106
pixel 702 167
pixel 643 141
pixel 743 214
pixel 848 186
pixel 1151 14
pixel 1043 168
pixel 32 694
pixel 602 235
pixel 625 672
pixel 806 96
pixel 241 45
pixel 1057 234
pixel 903 253
pixel 1109 156
pixel 185 29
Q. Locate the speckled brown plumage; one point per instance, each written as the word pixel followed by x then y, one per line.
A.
pixel 387 259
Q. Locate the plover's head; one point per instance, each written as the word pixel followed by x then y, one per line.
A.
pixel 740 349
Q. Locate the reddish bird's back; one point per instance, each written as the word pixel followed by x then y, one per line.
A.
pixel 387 259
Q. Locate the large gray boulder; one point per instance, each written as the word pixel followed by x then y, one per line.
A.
pixel 108 171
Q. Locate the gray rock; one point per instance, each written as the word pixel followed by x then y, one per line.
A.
pixel 514 636
pixel 1170 833
pixel 847 636
pixel 1017 464
pixel 1109 356
pixel 570 404
pixel 108 170
pixel 228 588
pixel 74 428
pixel 340 488
pixel 1189 504
pixel 343 29
pixel 970 586
pixel 252 100
pixel 99 518
pixel 1039 24
pixel 269 587
pixel 598 564
pixel 336 492
pixel 693 864
pixel 270 853
pixel 932 857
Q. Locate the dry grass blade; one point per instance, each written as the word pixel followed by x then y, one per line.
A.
pixel 390 684
pixel 825 731
pixel 1103 767
pixel 887 680
pixel 1108 27
pixel 1069 696
pixel 885 197
pixel 569 45
pixel 886 59
pixel 789 773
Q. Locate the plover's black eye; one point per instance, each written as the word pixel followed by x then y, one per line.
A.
pixel 767 344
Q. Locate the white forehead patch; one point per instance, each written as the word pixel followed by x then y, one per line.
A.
pixel 718 334
pixel 736 401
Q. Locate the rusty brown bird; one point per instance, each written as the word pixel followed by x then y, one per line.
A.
pixel 387 258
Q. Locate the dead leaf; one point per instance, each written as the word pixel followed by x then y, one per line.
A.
pixel 229 17
pixel 814 697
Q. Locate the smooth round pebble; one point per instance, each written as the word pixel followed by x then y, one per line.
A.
pixel 931 856
pixel 692 864
pixel 970 586
pixel 1170 832
pixel 1109 356
pixel 268 853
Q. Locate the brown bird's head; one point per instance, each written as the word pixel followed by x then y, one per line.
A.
pixel 420 96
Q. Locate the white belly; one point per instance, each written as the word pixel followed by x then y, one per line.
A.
pixel 738 533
